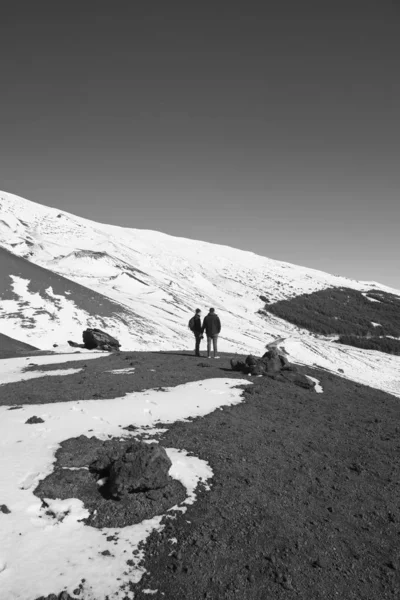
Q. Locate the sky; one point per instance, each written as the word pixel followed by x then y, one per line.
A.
pixel 271 129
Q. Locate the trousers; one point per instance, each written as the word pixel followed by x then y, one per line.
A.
pixel 214 340
pixel 198 337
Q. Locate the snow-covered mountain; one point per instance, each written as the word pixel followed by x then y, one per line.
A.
pixel 142 286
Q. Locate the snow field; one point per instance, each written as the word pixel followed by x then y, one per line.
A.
pixel 375 369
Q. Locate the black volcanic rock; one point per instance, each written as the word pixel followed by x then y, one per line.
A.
pixel 109 487
pixel 34 420
pixel 271 363
pixel 95 338
pixel 138 467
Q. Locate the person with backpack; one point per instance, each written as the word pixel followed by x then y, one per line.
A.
pixel 212 327
pixel 196 328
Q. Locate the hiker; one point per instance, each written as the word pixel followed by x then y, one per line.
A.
pixel 195 327
pixel 212 327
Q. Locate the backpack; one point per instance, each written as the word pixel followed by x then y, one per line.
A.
pixel 191 324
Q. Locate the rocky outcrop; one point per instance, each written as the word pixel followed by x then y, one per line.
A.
pixel 97 339
pixel 120 482
pixel 140 467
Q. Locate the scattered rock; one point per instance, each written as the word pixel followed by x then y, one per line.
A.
pixel 319 563
pixel 33 420
pixel 272 364
pixel 356 467
pixel 4 509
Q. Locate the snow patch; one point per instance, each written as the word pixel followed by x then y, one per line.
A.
pixel 122 371
pixel 375 369
pixel 47 548
pixel 14 369
pixel 40 320
pixel 318 386
pixel 369 298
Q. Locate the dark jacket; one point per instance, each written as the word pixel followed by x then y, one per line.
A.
pixel 197 329
pixel 211 324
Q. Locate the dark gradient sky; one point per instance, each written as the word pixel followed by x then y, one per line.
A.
pixel 273 130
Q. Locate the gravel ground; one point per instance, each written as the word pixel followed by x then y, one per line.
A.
pixel 304 503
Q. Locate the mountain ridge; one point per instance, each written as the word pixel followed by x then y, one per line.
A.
pixel 7 200
pixel 159 280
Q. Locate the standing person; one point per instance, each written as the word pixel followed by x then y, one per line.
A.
pixel 212 327
pixel 195 326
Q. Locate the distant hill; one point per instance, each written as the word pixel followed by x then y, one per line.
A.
pixel 366 320
pixel 344 311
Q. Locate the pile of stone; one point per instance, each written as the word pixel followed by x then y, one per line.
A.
pixel 272 364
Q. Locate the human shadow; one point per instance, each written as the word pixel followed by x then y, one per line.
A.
pixel 178 354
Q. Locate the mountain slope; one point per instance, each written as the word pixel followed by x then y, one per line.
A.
pixel 45 308
pixel 160 279
pixel 9 347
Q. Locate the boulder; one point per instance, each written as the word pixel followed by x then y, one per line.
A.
pixel 272 361
pixel 93 485
pixel 34 420
pixel 95 338
pixel 138 467
pixel 143 467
